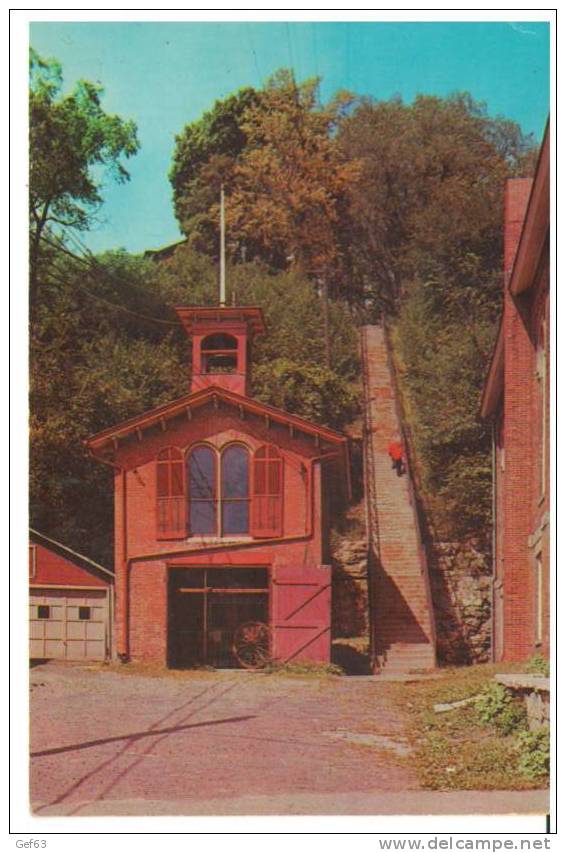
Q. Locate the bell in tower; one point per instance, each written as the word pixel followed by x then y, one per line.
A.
pixel 221 345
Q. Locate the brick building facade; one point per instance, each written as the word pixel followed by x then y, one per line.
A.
pixel 220 512
pixel 516 399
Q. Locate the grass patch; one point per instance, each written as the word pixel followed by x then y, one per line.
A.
pixel 538 665
pixel 303 668
pixel 495 706
pixel 156 670
pixel 467 748
pixel 152 670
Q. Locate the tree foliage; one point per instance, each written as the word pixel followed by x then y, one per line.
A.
pixel 442 364
pixel 290 180
pixel 285 177
pixel 430 193
pixel 92 365
pixel 73 143
pixel 426 253
pixel 205 153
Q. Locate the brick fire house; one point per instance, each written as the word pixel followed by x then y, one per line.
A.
pixel 516 398
pixel 221 507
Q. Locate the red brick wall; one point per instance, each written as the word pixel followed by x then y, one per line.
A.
pixel 539 537
pixel 147 580
pixel 521 504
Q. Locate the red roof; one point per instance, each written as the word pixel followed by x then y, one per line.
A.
pixel 200 398
pixel 193 316
pixel 54 564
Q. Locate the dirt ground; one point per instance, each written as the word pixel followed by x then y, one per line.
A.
pixel 105 742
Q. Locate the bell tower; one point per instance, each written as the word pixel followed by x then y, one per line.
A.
pixel 221 345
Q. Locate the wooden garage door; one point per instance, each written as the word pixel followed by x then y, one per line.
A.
pixel 301 613
pixel 68 624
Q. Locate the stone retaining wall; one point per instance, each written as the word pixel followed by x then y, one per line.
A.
pixel 534 690
pixel 460 576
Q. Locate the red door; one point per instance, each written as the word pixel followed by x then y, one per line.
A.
pixel 301 613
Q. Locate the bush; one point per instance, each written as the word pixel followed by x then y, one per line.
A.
pixel 441 366
pixel 538 665
pixel 534 748
pixel 311 391
pixel 495 706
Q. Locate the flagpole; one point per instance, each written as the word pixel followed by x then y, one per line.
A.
pixel 222 250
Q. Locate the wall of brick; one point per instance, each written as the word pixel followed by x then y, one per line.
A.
pixel 523 499
pixel 147 578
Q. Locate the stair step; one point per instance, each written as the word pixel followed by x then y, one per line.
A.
pixel 402 601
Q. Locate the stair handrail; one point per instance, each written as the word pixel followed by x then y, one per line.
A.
pixel 417 492
pixel 370 494
pixel 369 463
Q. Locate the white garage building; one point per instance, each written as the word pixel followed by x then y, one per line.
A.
pixel 70 603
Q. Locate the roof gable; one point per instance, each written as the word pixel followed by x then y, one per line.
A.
pixel 185 406
pixel 61 565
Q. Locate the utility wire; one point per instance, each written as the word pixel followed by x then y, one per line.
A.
pixel 251 41
pixel 98 272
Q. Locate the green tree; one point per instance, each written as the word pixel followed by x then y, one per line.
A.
pixel 429 200
pixel 285 178
pixel 426 253
pixel 276 154
pixel 73 144
pixel 94 360
pixel 204 156
pixel 441 368
pixel 290 179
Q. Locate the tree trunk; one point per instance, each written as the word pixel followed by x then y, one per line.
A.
pixel 326 320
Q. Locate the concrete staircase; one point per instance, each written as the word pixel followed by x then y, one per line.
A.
pixel 401 616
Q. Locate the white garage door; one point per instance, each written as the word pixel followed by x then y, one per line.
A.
pixel 68 624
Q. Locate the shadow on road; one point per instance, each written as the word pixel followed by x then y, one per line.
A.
pixel 57 750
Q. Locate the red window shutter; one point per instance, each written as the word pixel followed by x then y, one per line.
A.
pixel 170 493
pixel 267 493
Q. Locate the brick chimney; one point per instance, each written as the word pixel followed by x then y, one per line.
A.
pixel 221 345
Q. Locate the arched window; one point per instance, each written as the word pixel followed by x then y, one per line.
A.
pixel 223 501
pixel 267 512
pixel 219 354
pixel 235 513
pixel 202 491
pixel 170 491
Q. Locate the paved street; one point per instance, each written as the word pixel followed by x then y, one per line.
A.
pixel 104 742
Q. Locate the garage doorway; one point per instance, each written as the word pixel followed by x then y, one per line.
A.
pixel 206 607
pixel 68 624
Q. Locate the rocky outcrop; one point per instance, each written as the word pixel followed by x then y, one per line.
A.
pixel 461 593
pixel 349 550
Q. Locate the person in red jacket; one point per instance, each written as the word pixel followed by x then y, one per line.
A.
pixel 395 451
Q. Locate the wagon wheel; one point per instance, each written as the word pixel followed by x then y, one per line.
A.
pixel 252 644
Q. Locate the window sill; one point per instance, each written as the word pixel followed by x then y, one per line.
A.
pixel 219 540
pixel 171 537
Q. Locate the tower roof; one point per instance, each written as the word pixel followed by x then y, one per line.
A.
pixel 194 318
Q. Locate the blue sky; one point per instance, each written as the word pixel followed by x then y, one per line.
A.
pixel 164 75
